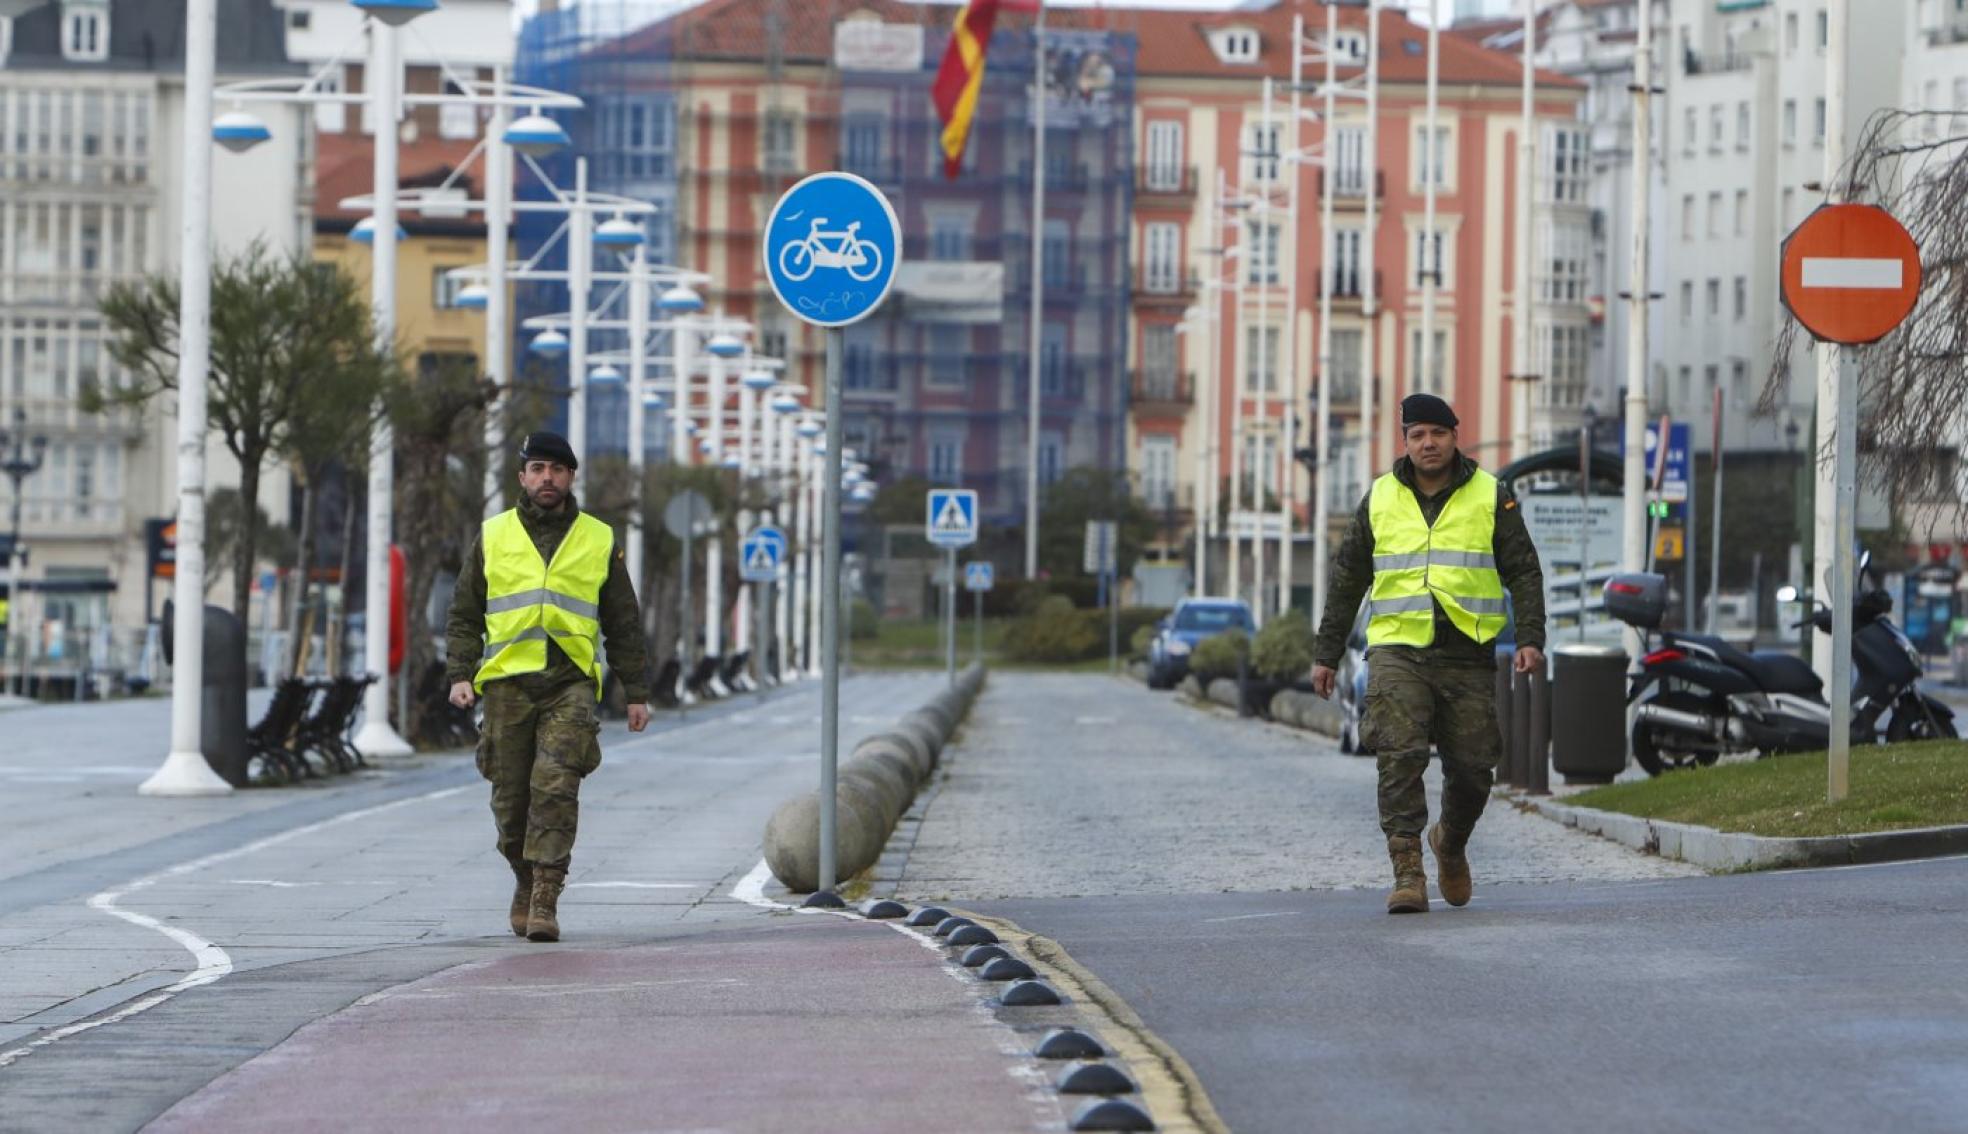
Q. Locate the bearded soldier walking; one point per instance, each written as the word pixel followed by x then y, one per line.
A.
pixel 539 591
pixel 1437 541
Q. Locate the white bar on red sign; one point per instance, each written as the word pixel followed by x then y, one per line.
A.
pixel 1869 275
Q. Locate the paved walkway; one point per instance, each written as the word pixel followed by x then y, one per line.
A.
pixel 1066 786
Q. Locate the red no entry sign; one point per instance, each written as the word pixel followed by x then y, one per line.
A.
pixel 1851 273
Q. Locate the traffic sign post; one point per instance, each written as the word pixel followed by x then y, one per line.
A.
pixel 687 515
pixel 978 579
pixel 832 248
pixel 950 522
pixel 1097 558
pixel 759 555
pixel 1850 274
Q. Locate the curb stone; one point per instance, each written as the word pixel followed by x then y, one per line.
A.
pixel 1711 849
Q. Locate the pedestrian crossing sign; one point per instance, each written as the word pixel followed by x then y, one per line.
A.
pixel 978 575
pixel 759 554
pixel 952 518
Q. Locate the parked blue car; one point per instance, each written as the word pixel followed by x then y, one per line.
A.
pixel 1190 622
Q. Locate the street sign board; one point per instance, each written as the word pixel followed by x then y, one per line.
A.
pixel 759 554
pixel 687 514
pixel 1851 273
pixel 1557 521
pixel 952 517
pixel 1101 538
pixel 1674 479
pixel 978 576
pixel 1256 525
pixel 832 245
pixel 1670 544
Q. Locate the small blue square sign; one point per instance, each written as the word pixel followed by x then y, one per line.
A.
pixel 952 517
pixel 978 576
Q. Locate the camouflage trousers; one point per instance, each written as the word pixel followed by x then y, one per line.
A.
pixel 535 749
pixel 1415 702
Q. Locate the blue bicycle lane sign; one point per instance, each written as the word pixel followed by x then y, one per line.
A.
pixel 832 245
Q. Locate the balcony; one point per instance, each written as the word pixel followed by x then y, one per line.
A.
pixel 1715 63
pixel 1060 178
pixel 1163 185
pixel 1346 284
pixel 1161 394
pixel 1179 290
pixel 1351 185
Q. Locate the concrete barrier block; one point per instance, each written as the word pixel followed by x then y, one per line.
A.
pixel 889 789
pixel 906 744
pixel 792 840
pixel 1223 691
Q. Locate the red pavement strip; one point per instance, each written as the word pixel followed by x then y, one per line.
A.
pixel 808 1024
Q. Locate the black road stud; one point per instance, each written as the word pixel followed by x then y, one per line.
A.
pixel 1068 1043
pixel 883 910
pixel 1030 994
pixel 1095 1079
pixel 1008 968
pixel 983 955
pixel 1111 1114
pixel 950 925
pixel 823 900
pixel 926 916
pixel 965 936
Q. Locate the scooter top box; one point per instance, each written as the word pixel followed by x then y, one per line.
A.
pixel 1638 599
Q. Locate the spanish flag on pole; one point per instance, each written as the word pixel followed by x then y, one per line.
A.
pixel 961 75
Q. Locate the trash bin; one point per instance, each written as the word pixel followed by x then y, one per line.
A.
pixel 1588 712
pixel 222 695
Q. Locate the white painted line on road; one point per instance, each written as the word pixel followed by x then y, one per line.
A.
pixel 1855 272
pixel 213 962
pixel 635 885
pixel 1096 720
pixel 751 889
pixel 1250 917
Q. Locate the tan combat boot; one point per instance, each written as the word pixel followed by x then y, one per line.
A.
pixel 1451 865
pixel 522 896
pixel 542 923
pixel 1410 893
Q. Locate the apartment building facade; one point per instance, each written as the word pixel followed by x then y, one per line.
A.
pixel 91 129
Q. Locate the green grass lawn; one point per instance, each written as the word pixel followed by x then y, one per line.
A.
pixel 1893 787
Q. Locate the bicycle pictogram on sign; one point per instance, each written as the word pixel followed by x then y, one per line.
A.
pixel 860 259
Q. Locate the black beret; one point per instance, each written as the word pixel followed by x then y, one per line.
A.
pixel 547 447
pixel 1427 409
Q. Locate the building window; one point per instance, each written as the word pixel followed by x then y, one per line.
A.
pixel 946 458
pixel 1715 129
pixel 1742 212
pixel 1052 361
pixel 1349 165
pixel 1567 248
pixel 1165 155
pixel 1715 214
pixel 1790 122
pixel 1263 142
pixel 1711 380
pixel 1436 380
pixel 445 288
pixel 1161 257
pixel 1687 216
pixel 1738 383
pixel 862 145
pixel 1687 299
pixel 1346 262
pixel 1049 454
pixel 1350 47
pixel 1824 30
pixel 1432 162
pixel 1565 362
pixel 1714 298
pixel 1261 465
pixel 1570 172
pixel 1690 132
pixel 1260 360
pixel 1742 298
pixel 1058 254
pixel 85 32
pixel 778 145
pixel 1346 354
pixel 1790 32
pixel 637 140
pixel 948 345
pixel 1261 245
pixel 1158 358
pixel 1427 259
pixel 1237 46
pixel 1158 471
pixel 1742 125
pixel 1818 134
pixel 949 238
pixel 1686 387
pixel 330 117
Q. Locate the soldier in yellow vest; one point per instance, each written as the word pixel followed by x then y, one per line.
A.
pixel 539 592
pixel 1434 548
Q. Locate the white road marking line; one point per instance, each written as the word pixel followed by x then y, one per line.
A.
pixel 1250 916
pixel 1855 272
pixel 1095 720
pixel 213 962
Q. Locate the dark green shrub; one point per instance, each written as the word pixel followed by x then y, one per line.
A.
pixel 1054 633
pixel 1143 637
pixel 862 621
pixel 1282 651
pixel 1217 656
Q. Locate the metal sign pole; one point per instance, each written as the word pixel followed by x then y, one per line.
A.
pixel 950 611
pixel 977 640
pixel 684 660
pixel 758 637
pixel 830 611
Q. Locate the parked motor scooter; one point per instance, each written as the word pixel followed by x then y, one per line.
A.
pixel 1711 699
pixel 1888 667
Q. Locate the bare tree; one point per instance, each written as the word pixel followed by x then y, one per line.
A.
pixel 1913 384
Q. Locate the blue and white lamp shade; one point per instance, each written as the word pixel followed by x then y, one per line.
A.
pixel 620 232
pixel 549 344
pixel 604 375
pixel 690 428
pixel 785 404
pixel 536 135
pixel 239 131
pixel 705 447
pixel 725 346
pixel 680 300
pixel 653 401
pixel 364 232
pixel 472 297
pixel 759 381
pixel 810 429
pixel 733 461
pixel 396 13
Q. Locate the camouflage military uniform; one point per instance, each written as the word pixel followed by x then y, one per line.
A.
pixel 540 731
pixel 1443 694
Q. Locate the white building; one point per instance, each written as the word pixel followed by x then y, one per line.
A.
pixel 91 128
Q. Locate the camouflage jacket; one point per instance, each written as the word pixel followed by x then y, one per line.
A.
pixel 621 623
pixel 1516 559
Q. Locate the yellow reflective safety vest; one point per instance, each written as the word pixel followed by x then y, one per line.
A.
pixel 528 600
pixel 1417 566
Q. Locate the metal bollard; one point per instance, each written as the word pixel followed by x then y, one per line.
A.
pixel 1520 729
pixel 1538 752
pixel 1503 715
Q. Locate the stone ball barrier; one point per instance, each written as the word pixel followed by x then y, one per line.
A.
pixel 873 790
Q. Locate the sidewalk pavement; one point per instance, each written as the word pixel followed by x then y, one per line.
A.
pixel 184 958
